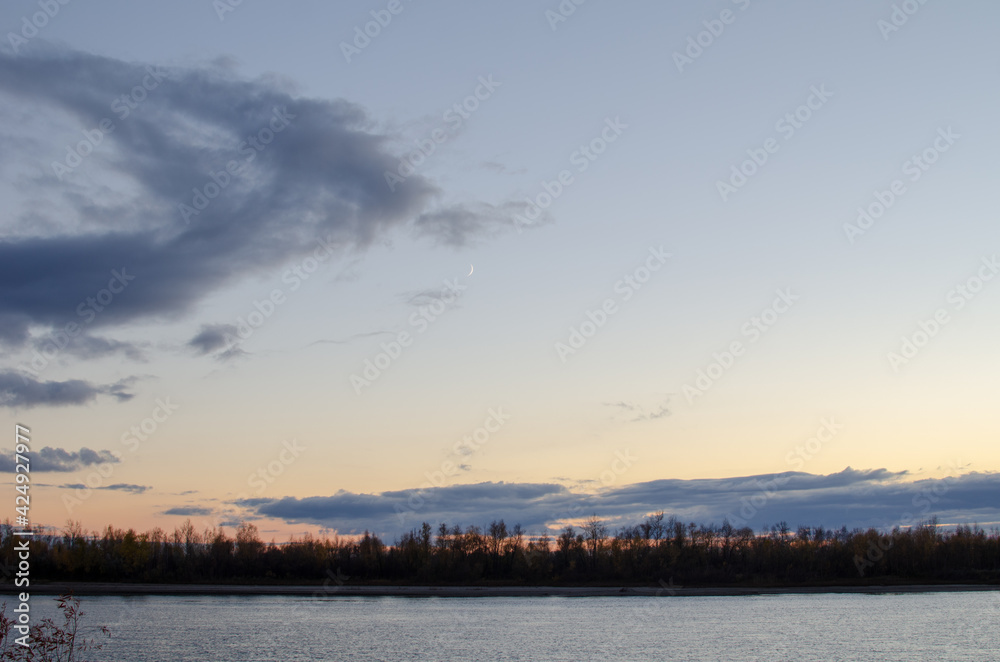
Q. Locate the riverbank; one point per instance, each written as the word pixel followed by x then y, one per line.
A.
pixel 104 588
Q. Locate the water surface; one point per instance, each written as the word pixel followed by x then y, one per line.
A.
pixel 820 627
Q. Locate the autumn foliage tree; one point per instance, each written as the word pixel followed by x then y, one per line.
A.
pixel 646 552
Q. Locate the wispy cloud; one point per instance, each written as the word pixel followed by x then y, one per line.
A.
pixel 633 413
pixel 117 487
pixel 350 339
pixel 464 223
pixel 188 511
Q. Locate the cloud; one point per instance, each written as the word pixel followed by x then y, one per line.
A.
pixel 59 459
pixel 854 498
pixel 92 347
pixel 320 177
pixel 350 339
pixel 155 204
pixel 464 224
pixel 501 169
pixel 118 487
pixel 212 337
pixel 215 337
pixel 452 503
pixel 24 391
pixel 635 413
pixel 188 511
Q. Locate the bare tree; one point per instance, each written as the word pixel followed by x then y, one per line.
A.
pixel 595 532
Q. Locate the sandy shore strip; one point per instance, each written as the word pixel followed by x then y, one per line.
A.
pixel 104 588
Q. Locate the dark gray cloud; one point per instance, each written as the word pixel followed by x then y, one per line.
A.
pixel 873 498
pixel 462 224
pixel 59 459
pixel 117 487
pixel 320 177
pixel 212 337
pixel 188 511
pixel 133 248
pixel 93 347
pixel 21 390
pixel 222 340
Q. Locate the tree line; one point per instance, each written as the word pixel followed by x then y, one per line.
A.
pixel 657 549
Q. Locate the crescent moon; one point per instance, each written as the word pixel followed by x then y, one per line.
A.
pixel 471 269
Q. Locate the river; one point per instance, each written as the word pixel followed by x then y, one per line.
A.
pixel 821 627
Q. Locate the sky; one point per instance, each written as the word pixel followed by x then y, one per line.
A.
pixel 348 266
